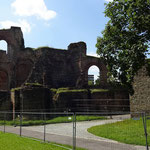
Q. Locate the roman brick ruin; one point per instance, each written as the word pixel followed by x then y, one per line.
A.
pixel 49 67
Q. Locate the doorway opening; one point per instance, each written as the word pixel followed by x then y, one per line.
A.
pixel 93 75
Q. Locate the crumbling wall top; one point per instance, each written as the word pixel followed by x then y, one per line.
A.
pixel 14 39
pixel 77 48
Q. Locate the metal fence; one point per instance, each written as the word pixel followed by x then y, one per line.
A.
pixel 48 127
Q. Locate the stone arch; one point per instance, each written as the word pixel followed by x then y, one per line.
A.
pixel 93 74
pixel 93 61
pixel 3 45
pixel 23 70
pixel 14 39
pixel 3 80
pixel 6 36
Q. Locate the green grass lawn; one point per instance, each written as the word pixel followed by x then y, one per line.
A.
pixel 10 141
pixel 54 120
pixel 127 131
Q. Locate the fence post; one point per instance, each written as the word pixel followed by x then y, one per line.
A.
pixel 145 129
pixel 4 122
pixel 74 131
pixel 44 121
pixel 20 123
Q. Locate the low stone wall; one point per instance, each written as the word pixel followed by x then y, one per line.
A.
pixel 71 100
pixel 110 100
pixel 97 100
pixel 39 99
pixel 31 99
pixel 5 104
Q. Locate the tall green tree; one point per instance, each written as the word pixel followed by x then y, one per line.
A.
pixel 126 38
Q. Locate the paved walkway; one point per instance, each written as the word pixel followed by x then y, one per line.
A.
pixel 62 133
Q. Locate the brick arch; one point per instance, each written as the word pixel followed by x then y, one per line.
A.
pixel 14 39
pixel 93 61
pixel 93 66
pixel 7 37
pixel 3 80
pixel 4 43
pixel 23 70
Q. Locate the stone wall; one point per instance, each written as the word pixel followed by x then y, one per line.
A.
pixel 48 66
pixel 52 68
pixel 29 98
pixel 110 100
pixel 14 39
pixel 73 100
pixel 5 104
pixel 140 100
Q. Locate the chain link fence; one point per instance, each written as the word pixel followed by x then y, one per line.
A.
pixel 76 129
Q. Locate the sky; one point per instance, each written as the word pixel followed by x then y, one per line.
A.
pixel 56 23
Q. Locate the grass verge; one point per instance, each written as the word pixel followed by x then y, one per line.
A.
pixel 64 119
pixel 9 141
pixel 127 131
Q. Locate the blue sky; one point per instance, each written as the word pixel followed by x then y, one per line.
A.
pixel 55 23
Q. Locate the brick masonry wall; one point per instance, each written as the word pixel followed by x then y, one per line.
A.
pixel 74 100
pixel 31 99
pixel 110 101
pixel 5 104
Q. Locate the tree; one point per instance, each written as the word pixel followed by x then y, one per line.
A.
pixel 126 37
pixel 90 83
pixel 97 81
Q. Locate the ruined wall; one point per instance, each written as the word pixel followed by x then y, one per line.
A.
pixel 5 71
pixel 110 100
pixel 73 100
pixel 140 100
pixel 89 61
pixel 52 68
pixel 48 66
pixel 14 39
pixel 5 104
pixel 29 98
pixel 9 58
pixel 65 68
pixel 91 100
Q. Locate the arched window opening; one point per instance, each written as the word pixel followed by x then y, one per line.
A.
pixel 3 45
pixel 93 75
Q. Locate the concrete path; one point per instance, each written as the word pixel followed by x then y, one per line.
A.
pixel 62 133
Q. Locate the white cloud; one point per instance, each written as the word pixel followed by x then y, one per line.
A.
pixel 32 8
pixel 25 26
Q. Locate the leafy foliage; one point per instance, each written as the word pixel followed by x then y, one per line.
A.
pixel 97 81
pixel 125 40
pixel 90 83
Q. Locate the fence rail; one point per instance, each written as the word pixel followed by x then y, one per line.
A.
pixel 71 130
